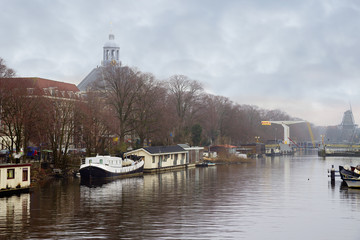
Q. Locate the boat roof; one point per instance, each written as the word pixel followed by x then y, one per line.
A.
pixel 159 150
pixel 164 149
pixel 7 165
pixel 104 156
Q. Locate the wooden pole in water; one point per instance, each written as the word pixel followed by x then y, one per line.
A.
pixel 332 173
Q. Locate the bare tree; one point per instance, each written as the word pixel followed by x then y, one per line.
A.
pixel 121 86
pixel 5 72
pixel 94 120
pixel 149 108
pixel 17 107
pixel 184 95
pixel 58 124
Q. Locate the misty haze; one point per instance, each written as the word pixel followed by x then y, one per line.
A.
pixel 179 119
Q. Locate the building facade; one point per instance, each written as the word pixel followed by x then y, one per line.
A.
pixel 33 88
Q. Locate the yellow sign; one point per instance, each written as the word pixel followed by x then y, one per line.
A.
pixel 266 123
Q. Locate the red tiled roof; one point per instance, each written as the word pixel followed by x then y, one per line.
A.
pixel 37 83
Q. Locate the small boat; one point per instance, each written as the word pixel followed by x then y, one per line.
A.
pixel 272 151
pixel 350 175
pixel 205 164
pixel 110 167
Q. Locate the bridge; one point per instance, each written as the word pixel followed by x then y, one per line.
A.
pixel 284 147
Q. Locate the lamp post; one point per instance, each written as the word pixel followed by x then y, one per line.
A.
pixel 322 139
pixel 257 139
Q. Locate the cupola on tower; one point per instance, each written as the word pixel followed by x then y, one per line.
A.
pixel 111 51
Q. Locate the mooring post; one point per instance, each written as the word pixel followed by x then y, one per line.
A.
pixel 332 173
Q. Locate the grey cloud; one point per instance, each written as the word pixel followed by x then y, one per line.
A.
pixel 298 56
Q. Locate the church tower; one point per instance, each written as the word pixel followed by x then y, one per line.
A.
pixel 111 55
pixel 111 51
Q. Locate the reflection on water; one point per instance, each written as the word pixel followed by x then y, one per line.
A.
pixel 14 214
pixel 272 198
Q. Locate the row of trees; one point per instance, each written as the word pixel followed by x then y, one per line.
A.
pixel 178 110
pixel 127 107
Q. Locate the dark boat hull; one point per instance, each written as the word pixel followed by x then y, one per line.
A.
pixel 351 178
pixel 96 172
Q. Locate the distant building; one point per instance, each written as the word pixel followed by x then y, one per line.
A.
pixel 347 127
pixel 252 148
pixel 219 149
pixel 41 86
pixel 35 86
pixel 345 133
pixel 111 55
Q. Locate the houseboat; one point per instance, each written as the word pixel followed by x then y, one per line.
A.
pixel 14 178
pixel 162 158
pixel 110 167
pixel 195 154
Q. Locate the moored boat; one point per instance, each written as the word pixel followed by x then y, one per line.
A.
pixel 205 164
pixel 110 167
pixel 350 175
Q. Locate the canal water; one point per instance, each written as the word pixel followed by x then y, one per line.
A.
pixel 288 197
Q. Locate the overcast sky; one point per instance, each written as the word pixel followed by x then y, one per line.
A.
pixel 299 56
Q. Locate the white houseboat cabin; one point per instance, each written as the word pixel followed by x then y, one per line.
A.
pixel 195 154
pixel 14 177
pixel 160 158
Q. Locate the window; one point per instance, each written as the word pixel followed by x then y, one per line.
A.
pixel 30 90
pixel 153 159
pixel 25 174
pixel 10 173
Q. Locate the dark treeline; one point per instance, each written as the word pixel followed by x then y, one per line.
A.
pixel 127 108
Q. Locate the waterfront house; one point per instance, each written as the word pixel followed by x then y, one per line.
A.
pixel 252 149
pixel 223 149
pixel 161 158
pixel 14 178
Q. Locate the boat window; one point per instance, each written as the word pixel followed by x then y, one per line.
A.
pixel 101 161
pixel 10 173
pixel 153 159
pixel 90 160
pixel 25 174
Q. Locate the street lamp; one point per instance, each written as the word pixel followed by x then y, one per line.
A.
pixel 257 139
pixel 322 139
